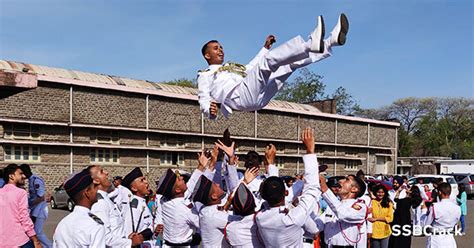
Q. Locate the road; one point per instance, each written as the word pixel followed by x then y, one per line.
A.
pixel 466 241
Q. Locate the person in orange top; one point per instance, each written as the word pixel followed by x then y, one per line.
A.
pixel 382 216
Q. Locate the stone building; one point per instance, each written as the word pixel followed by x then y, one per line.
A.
pixel 60 121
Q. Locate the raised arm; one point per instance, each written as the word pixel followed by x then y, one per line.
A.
pixel 266 47
pixel 307 203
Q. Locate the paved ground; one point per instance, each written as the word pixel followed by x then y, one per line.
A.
pixel 467 241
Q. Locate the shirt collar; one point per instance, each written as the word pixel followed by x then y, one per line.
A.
pixel 214 67
pixel 81 209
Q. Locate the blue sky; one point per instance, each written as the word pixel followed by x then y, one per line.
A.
pixel 395 49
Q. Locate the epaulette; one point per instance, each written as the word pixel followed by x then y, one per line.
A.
pixel 99 197
pixel 356 206
pixel 201 71
pixel 96 219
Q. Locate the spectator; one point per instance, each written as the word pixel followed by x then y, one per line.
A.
pixel 428 192
pixel 411 204
pixel 2 182
pixel 16 226
pixel 462 201
pixel 382 216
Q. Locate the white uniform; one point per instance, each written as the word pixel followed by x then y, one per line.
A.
pixel 108 212
pixel 342 221
pixel 142 217
pixel 259 81
pixel 180 222
pixel 79 229
pixel 212 223
pixel 121 196
pixel 442 217
pixel 36 189
pixel 242 232
pixel 280 228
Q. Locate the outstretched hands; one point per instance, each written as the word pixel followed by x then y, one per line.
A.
pixel 307 136
pixel 250 174
pixel 229 150
pixel 269 41
pixel 270 153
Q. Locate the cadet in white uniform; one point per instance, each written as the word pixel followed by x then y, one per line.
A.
pixel 80 228
pixel 180 219
pixel 37 204
pixel 343 224
pixel 442 217
pixel 278 226
pixel 121 196
pixel 137 215
pixel 212 219
pixel 242 231
pixel 251 87
pixel 108 212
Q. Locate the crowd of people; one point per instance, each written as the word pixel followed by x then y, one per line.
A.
pixel 219 207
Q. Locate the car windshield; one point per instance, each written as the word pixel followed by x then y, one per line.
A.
pixel 459 177
pixel 451 180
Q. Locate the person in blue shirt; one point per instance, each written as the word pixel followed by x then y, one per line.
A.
pixel 462 201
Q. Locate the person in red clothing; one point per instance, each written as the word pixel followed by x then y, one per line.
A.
pixel 16 227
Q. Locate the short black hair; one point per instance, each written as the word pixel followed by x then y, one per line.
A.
pixel 445 188
pixel 252 159
pixel 204 47
pixel 26 170
pixel 9 170
pixel 273 190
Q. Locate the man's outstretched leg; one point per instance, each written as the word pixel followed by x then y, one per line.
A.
pixel 277 79
pixel 291 51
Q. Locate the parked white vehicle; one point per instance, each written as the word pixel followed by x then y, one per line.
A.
pixel 427 179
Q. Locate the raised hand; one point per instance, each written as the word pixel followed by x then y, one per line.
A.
pixel 229 150
pixel 307 136
pixel 213 158
pixel 270 153
pixel 250 174
pixel 269 41
pixel 202 160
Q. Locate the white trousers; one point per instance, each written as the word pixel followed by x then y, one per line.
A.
pixel 441 241
pixel 268 76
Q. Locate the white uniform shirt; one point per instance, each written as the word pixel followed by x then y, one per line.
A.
pixel 212 223
pixel 343 220
pixel 279 228
pixel 219 86
pixel 142 218
pixel 242 232
pixel 108 212
pixel 122 197
pixel 79 229
pixel 442 216
pixel 36 189
pixel 180 221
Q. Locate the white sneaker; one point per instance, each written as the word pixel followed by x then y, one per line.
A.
pixel 338 34
pixel 317 43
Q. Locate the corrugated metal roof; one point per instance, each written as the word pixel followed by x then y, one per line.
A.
pixel 133 83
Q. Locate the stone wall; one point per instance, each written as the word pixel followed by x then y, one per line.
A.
pixel 114 108
pixel 50 103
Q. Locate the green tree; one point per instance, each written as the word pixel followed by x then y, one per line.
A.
pixel 308 87
pixel 183 82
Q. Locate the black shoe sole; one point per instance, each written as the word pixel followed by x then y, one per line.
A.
pixel 341 39
pixel 323 33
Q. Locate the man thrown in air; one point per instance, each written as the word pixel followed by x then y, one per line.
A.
pixel 251 87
